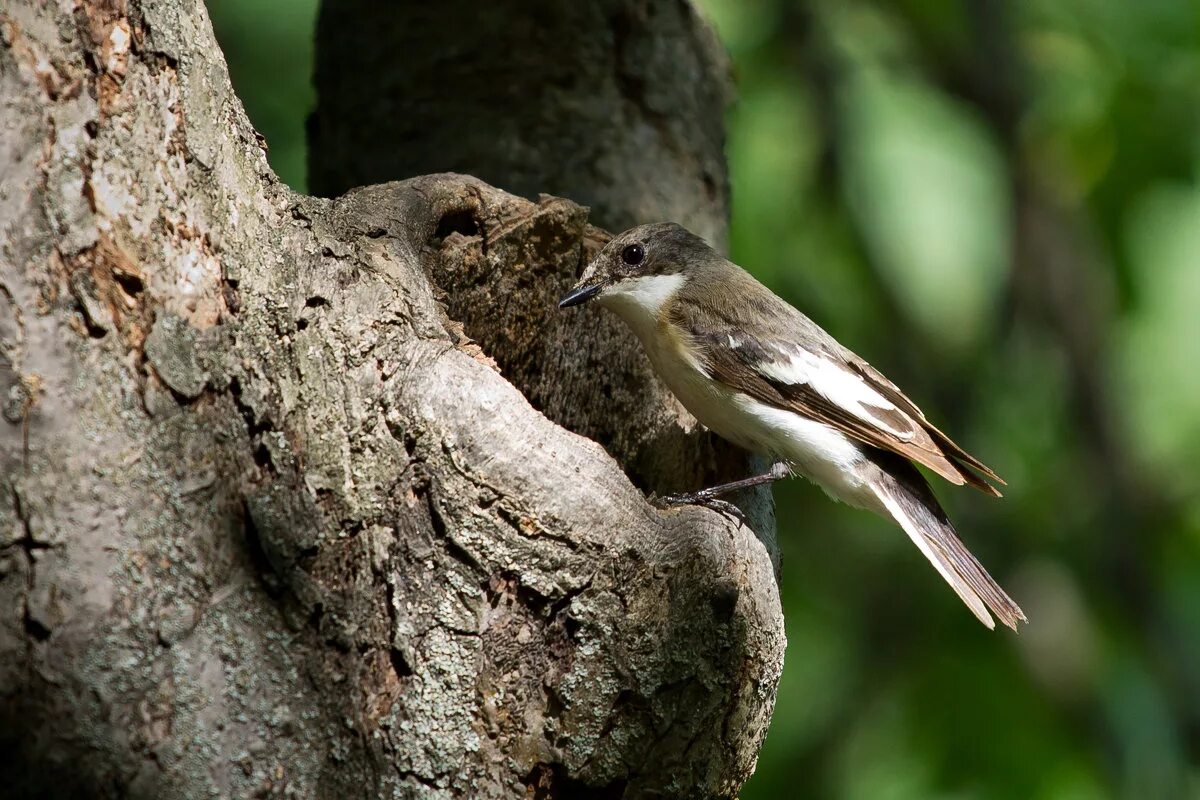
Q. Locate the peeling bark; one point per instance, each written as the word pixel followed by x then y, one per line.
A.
pixel 286 508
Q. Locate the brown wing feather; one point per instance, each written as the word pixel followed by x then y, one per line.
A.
pixel 725 366
pixel 892 392
pixel 765 327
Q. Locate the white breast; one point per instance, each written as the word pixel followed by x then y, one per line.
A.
pixel 816 450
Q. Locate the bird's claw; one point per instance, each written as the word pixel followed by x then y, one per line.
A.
pixel 703 499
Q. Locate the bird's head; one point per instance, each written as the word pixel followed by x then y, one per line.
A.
pixel 640 268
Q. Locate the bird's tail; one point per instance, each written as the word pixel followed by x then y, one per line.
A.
pixel 907 498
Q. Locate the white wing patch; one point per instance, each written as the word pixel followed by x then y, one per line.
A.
pixel 835 383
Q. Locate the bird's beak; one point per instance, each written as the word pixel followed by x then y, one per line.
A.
pixel 578 296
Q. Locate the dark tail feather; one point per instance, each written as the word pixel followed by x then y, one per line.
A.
pixel 910 502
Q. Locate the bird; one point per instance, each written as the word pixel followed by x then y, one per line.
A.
pixel 757 372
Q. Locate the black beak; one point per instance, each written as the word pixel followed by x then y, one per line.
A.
pixel 578 296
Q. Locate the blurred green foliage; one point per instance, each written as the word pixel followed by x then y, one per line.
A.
pixel 997 204
pixel 268 45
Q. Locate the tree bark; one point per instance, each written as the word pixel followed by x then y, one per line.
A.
pixel 277 519
pixel 617 104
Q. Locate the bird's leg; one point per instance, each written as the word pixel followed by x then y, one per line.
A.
pixel 706 497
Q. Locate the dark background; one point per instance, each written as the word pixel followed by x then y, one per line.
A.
pixel 995 203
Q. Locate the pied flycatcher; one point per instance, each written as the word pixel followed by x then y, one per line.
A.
pixel 759 373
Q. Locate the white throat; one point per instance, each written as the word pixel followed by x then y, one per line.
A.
pixel 639 301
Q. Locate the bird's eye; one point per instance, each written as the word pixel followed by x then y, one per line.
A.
pixel 633 255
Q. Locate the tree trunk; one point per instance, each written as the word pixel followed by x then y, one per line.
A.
pixel 277 519
pixel 617 104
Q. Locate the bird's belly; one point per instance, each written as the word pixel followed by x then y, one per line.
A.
pixel 814 449
pixel 708 401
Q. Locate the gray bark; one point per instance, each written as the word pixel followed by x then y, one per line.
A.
pixel 617 104
pixel 275 516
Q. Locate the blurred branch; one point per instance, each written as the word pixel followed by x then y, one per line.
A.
pixel 812 60
pixel 1058 286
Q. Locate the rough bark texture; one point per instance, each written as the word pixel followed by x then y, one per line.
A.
pixel 276 517
pixel 618 104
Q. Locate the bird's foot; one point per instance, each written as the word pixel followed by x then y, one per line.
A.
pixel 702 498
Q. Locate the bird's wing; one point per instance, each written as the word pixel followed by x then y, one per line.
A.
pixel 892 392
pixel 825 382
